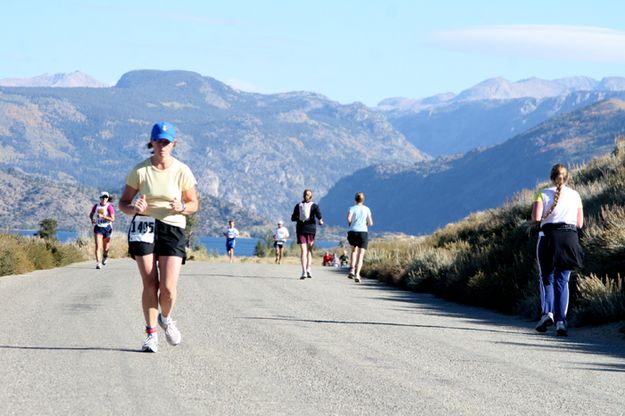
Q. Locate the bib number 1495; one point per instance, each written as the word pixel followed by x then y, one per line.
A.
pixel 142 230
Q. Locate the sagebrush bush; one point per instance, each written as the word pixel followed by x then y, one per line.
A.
pixel 13 258
pixel 599 300
pixel 19 254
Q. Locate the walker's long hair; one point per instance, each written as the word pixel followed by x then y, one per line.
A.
pixel 559 176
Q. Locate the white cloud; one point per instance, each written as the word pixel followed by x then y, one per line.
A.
pixel 575 43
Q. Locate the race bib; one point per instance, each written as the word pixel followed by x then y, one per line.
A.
pixel 102 222
pixel 141 230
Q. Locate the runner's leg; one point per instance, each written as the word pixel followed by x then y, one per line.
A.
pixel 98 247
pixel 149 297
pixel 359 259
pixel 169 269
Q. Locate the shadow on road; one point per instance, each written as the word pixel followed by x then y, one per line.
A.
pixel 322 321
pixel 24 347
pixel 585 340
pixel 237 276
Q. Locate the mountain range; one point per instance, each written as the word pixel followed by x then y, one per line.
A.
pixel 251 151
pixel 492 111
pixel 416 200
pixel 253 154
pixel 72 80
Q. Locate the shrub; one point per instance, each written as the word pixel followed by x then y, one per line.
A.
pixel 13 259
pixel 24 254
pixel 599 300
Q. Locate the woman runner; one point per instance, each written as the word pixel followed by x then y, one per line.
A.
pixel 306 214
pixel 156 239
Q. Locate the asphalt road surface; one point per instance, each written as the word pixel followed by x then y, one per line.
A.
pixel 258 341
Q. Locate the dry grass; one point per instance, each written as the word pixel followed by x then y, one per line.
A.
pixel 19 254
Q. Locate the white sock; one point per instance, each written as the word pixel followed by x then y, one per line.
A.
pixel 166 319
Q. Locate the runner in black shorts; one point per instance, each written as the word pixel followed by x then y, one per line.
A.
pixel 169 240
pixel 359 219
pixel 156 238
pixel 306 214
pixel 102 216
pixel 358 239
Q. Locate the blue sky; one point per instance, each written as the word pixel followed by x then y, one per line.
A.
pixel 347 50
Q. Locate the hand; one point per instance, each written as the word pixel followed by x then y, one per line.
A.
pixel 321 221
pixel 177 206
pixel 141 205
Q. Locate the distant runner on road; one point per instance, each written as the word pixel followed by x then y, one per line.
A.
pixel 280 236
pixel 102 216
pixel 306 214
pixel 359 219
pixel 231 235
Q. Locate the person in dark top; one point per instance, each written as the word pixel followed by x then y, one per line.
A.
pixel 306 214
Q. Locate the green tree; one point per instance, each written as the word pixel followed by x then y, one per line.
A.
pixel 47 229
pixel 261 248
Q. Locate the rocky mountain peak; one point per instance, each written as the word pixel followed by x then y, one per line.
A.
pixel 72 80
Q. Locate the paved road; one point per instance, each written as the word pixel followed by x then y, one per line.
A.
pixel 258 341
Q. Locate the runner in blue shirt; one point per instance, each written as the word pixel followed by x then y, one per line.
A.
pixel 359 218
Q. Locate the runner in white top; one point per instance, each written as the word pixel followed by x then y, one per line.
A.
pixel 558 252
pixel 231 235
pixel 280 236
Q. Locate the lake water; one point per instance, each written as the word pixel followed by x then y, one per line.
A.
pixel 244 247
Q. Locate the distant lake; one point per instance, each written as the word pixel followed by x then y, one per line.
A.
pixel 63 236
pixel 245 246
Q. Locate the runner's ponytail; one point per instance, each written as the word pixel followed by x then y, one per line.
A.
pixel 559 176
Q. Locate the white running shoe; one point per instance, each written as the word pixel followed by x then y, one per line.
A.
pixel 151 343
pixel 561 329
pixel 172 334
pixel 357 279
pixel 98 266
pixel 104 260
pixel 545 321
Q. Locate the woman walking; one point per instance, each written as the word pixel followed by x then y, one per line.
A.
pixel 359 219
pixel 306 214
pixel 559 210
pixel 156 239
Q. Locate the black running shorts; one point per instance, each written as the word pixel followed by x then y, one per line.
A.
pixel 358 239
pixel 169 240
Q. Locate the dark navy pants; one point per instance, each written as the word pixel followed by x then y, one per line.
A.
pixel 554 287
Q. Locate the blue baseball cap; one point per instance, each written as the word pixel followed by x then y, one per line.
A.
pixel 163 130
